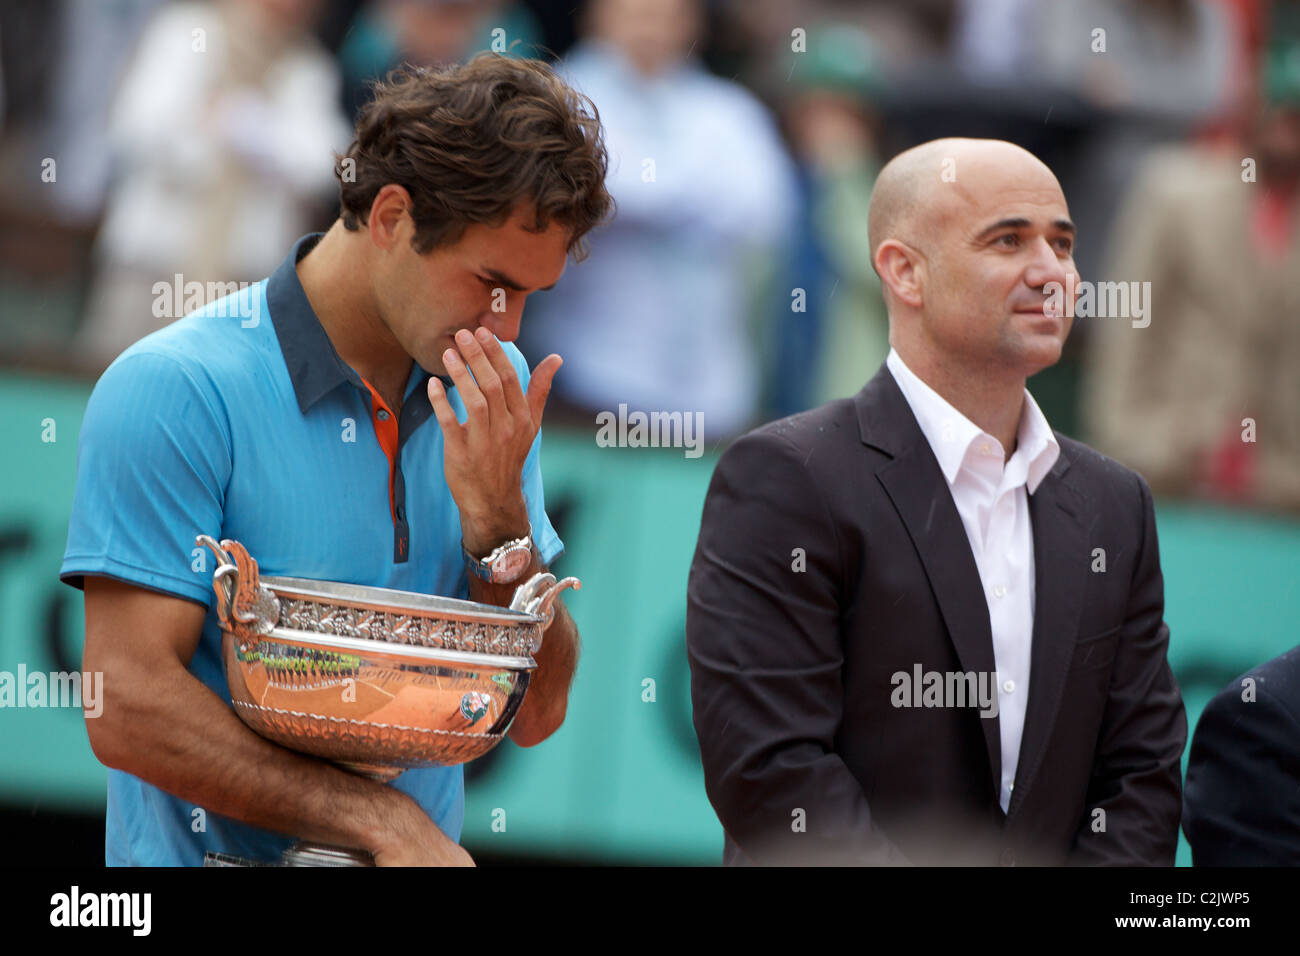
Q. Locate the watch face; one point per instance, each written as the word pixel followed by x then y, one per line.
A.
pixel 512 564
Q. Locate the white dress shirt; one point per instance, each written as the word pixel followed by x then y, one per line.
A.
pixel 992 499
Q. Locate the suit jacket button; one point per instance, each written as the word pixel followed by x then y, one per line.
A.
pixel 1008 858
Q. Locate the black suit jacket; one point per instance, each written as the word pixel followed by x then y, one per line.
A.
pixel 1242 801
pixel 805 758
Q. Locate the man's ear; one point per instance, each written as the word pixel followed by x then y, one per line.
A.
pixel 902 269
pixel 390 221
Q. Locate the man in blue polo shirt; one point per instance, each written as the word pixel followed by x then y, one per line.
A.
pixel 291 417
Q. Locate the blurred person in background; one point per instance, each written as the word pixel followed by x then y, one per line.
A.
pixel 96 40
pixel 222 133
pixel 1152 71
pixel 63 59
pixel 1216 237
pixel 429 33
pixel 842 327
pixel 660 316
pixel 754 31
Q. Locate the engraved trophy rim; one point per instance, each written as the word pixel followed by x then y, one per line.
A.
pixel 375 598
pixel 387 650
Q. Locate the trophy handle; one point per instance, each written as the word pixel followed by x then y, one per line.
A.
pixel 537 595
pixel 244 607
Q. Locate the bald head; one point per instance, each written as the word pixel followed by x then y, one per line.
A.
pixel 973 244
pixel 928 188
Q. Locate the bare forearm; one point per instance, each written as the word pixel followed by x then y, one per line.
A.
pixel 182 738
pixel 547 699
pixel 548 693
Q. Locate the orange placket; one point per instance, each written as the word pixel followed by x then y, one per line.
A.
pixel 387 433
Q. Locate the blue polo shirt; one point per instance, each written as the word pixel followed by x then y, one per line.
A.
pixel 241 421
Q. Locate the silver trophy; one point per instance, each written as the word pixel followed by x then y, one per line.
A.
pixel 376 680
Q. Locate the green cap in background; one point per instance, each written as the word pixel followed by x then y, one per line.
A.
pixel 838 57
pixel 1282 73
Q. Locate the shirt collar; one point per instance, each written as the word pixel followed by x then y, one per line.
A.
pixel 951 434
pixel 315 366
pixel 1036 444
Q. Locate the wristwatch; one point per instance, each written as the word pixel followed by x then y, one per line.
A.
pixel 507 562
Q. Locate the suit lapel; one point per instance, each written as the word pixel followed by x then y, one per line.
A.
pixel 915 484
pixel 1062 557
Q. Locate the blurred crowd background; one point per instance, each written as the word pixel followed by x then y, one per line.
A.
pixel 146 138
pixel 143 139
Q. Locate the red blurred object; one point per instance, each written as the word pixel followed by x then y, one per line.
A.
pixel 1230 468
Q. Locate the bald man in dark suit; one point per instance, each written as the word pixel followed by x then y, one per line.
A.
pixel 923 626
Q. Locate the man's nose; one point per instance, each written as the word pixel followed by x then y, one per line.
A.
pixel 505 325
pixel 1046 266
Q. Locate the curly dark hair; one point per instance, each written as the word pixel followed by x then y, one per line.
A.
pixel 470 143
